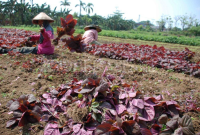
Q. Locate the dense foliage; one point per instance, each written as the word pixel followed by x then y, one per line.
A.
pixel 97 106
pixel 14 13
pixel 152 56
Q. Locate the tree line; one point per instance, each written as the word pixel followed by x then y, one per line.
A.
pixel 15 13
pixel 184 21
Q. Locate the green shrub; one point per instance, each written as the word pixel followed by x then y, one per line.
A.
pixel 140 28
pixel 176 29
pixel 148 29
pixel 195 30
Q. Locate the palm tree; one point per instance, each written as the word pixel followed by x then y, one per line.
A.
pixel 54 15
pixel 88 7
pixel 82 6
pixel 65 3
pixel 22 1
pixel 31 3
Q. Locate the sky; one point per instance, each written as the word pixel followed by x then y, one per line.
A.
pixel 151 10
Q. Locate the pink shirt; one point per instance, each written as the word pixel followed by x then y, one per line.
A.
pixel 89 36
pixel 45 47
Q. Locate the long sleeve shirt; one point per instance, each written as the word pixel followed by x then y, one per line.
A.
pixel 89 36
pixel 45 47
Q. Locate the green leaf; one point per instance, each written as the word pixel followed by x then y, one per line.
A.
pixel 95 110
pixel 163 127
pixel 93 100
pixel 90 109
pixel 95 104
pixel 50 77
pixel 97 117
pixel 94 116
pixel 80 96
pixel 114 88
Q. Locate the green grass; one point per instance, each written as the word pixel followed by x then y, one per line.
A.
pixel 149 36
pixel 28 28
pixel 164 37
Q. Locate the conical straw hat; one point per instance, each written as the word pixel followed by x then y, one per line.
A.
pixel 42 16
pixel 93 26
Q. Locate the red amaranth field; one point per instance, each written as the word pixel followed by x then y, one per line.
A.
pixel 141 90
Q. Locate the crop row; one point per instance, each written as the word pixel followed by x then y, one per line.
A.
pixel 12 38
pixel 152 56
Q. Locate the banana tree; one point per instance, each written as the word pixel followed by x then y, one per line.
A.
pixel 53 15
pixel 82 6
pixel 9 8
pixel 43 8
pixel 62 13
pixel 22 13
pixel 2 12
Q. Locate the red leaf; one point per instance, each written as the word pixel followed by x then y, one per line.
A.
pixel 91 82
pixel 155 129
pixel 126 85
pixel 63 23
pixel 61 93
pixel 145 131
pixel 68 18
pixel 23 108
pixel 103 128
pixel 114 130
pixel 131 127
pixel 23 121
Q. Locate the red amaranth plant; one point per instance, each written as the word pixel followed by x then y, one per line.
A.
pixel 94 106
pixel 67 27
pixel 12 38
pixel 25 110
pixel 74 43
pixel 152 56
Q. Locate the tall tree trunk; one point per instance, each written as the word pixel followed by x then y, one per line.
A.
pixel 31 3
pixel 11 19
pixel 80 16
pixel 22 17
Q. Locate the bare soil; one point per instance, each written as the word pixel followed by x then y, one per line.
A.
pixel 15 81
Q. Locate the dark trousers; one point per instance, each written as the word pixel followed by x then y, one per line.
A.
pixel 24 50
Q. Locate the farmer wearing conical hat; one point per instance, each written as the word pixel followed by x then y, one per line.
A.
pixel 91 34
pixel 46 34
pixel 78 43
